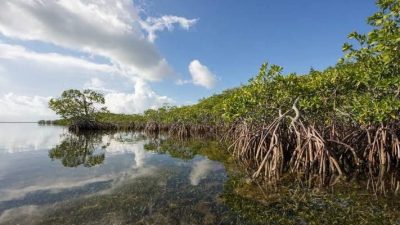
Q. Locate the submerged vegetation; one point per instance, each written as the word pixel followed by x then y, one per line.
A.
pixel 177 189
pixel 342 121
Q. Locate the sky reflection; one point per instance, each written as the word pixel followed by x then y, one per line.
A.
pixel 28 137
pixel 31 182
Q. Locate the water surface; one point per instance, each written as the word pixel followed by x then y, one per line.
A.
pixel 48 175
pixel 51 176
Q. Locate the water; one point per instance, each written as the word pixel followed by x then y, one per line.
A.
pixel 50 176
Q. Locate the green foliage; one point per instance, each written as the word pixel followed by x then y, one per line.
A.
pixel 74 104
pixel 375 93
pixel 364 86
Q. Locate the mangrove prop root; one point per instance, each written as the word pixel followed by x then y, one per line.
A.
pixel 288 144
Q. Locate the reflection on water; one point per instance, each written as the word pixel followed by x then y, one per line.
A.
pixel 201 169
pixel 104 179
pixel 75 150
pixel 27 137
pixel 50 176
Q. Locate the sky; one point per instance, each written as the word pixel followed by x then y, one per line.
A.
pixel 142 54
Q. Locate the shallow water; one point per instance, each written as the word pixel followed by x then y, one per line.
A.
pixel 50 176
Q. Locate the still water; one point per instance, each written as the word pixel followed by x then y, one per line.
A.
pixel 51 176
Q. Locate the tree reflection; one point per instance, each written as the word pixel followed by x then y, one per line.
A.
pixel 187 149
pixel 79 149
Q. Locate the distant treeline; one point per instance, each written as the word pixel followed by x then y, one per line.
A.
pixel 53 122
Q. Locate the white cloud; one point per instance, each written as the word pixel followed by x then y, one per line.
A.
pixel 27 72
pixel 3 80
pixel 152 25
pixel 31 108
pixel 18 53
pixel 109 48
pixel 15 107
pixel 201 75
pixel 143 98
pixel 108 28
pixel 97 84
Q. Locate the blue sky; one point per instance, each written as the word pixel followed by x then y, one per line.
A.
pixel 141 54
pixel 233 38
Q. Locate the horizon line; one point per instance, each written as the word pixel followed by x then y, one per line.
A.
pixel 19 121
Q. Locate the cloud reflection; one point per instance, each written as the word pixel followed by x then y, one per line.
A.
pixel 201 169
pixel 27 137
pixel 126 160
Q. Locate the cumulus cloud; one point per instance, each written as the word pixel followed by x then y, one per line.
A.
pixel 71 71
pixel 97 84
pixel 33 108
pixel 142 98
pixel 152 25
pixel 201 75
pixel 103 45
pixel 111 29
